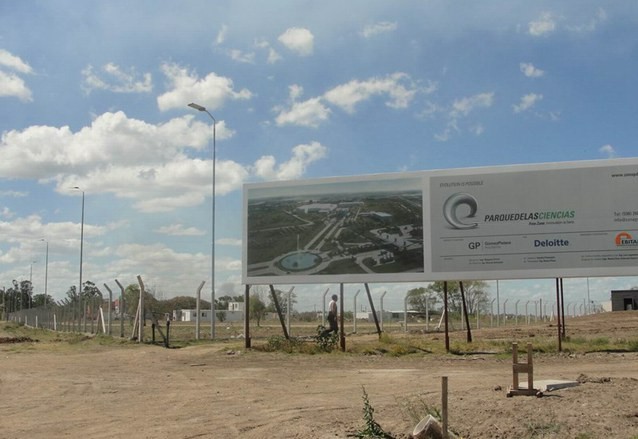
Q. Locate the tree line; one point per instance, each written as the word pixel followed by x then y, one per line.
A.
pixel 19 296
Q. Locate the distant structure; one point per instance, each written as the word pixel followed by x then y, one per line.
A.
pixel 624 300
pixel 381 216
pixel 317 207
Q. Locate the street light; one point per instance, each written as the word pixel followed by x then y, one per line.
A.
pixel 31 285
pixel 212 268
pixel 46 274
pixel 81 254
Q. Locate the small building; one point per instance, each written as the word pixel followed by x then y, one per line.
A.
pixel 222 315
pixel 624 300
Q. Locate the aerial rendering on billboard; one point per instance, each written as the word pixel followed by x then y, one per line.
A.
pixel 344 230
pixel 507 222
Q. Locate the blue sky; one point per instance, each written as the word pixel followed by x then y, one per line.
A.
pixel 94 95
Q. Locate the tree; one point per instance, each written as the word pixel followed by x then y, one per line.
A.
pixel 41 300
pixel 132 299
pixel 257 307
pixel 72 294
pixel 418 298
pixel 90 291
pixel 476 295
pixel 282 299
pixel 179 302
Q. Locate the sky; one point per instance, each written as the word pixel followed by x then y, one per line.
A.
pixel 93 104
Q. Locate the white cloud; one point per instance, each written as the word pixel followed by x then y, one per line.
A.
pixel 295 167
pixel 477 129
pixel 527 102
pixel 295 91
pixel 5 212
pixel 459 109
pixel 229 241
pixel 308 113
pixel 28 230
pixel 118 155
pixel 16 194
pixel 116 80
pixel 211 91
pixel 243 57
pixel 544 25
pixel 11 84
pixel 530 71
pixel 298 40
pixel 463 106
pixel 397 86
pixel 378 28
pixel 145 163
pixel 451 128
pixel 180 230
pixel 221 35
pixel 273 56
pixel 608 151
pixel 592 25
pixel 10 61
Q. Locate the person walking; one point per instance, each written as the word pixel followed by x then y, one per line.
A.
pixel 332 317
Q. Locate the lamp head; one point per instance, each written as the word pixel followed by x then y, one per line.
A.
pixel 197 107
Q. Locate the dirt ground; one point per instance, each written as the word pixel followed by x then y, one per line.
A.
pixel 220 390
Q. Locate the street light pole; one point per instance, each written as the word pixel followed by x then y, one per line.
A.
pixel 212 268
pixel 46 274
pixel 81 255
pixel 31 285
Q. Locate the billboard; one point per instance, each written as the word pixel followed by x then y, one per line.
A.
pixel 357 229
pixel 525 221
pixel 551 220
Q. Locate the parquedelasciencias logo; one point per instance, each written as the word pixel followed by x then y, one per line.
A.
pixel 452 204
pixel 624 239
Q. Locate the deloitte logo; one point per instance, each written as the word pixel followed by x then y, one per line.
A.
pixel 453 203
pixel 624 239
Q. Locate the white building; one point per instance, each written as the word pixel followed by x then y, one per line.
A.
pixel 234 313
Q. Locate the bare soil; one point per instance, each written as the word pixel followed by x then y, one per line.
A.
pixel 220 390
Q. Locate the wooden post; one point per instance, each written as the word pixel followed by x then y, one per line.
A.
pixel 444 407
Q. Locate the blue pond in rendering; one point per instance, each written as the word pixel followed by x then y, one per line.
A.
pixel 300 261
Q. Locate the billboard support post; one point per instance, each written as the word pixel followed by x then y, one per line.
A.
pixel 323 309
pixel 374 312
pixel 342 332
pixel 445 312
pixel 279 313
pixel 562 307
pixel 247 317
pixel 354 314
pixel 465 315
pixel 558 318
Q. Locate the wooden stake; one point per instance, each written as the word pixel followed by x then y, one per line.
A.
pixel 444 407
